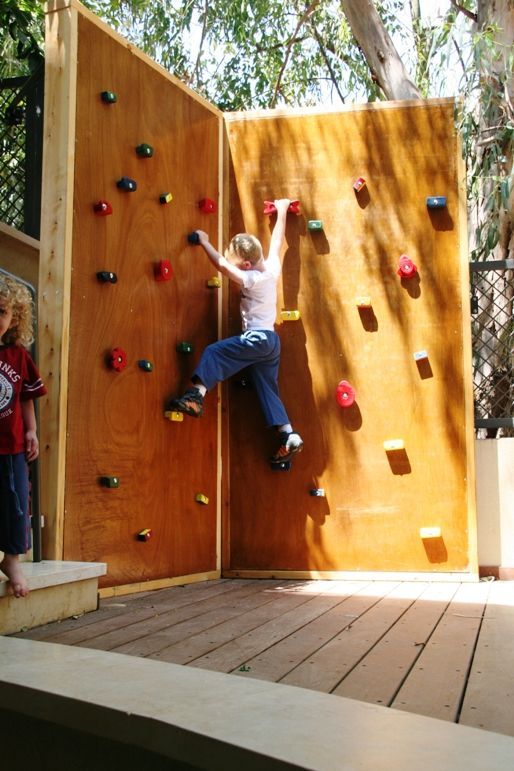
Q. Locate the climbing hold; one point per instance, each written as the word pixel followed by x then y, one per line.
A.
pixel 406 268
pixel 110 482
pixel 314 225
pixel 102 208
pixel 359 183
pixel 145 365
pixel 317 492
pixel 436 201
pixel 175 416
pixel 165 198
pixel 214 283
pixel 345 394
pixel 363 302
pixel 420 355
pixel 193 237
pixel 118 359
pixel 127 184
pixel 144 150
pixel 144 535
pixel 289 315
pixel 201 498
pixel 162 270
pixel 391 445
pixel 284 465
pixel 184 347
pixel 270 208
pixel 207 206
pixel 430 532
pixel 106 277
pixel 108 97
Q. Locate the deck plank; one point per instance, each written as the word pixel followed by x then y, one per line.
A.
pixel 436 683
pixel 201 614
pixel 386 602
pixel 274 662
pixel 380 674
pixel 232 655
pixel 489 698
pixel 200 644
pixel 171 628
pixel 126 605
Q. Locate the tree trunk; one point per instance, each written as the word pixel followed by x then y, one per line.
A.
pixel 378 48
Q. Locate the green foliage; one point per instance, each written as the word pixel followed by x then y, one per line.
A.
pixel 486 123
pixel 21 39
pixel 242 54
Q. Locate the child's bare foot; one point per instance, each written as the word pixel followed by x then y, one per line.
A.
pixel 11 566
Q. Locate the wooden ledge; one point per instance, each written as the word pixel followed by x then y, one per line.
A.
pixel 55 572
pixel 211 720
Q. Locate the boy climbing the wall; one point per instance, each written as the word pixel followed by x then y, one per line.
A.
pixel 258 347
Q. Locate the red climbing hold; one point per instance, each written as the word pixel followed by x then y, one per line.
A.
pixel 345 394
pixel 406 268
pixel 118 359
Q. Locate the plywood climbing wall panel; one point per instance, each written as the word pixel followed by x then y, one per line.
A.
pixel 116 426
pixel 375 502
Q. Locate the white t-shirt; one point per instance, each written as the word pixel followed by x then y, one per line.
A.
pixel 259 296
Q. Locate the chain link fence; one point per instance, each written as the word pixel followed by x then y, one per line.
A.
pixel 21 133
pixel 492 291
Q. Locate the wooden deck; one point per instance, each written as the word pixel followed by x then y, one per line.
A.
pixel 445 650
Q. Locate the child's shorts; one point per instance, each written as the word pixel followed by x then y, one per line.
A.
pixel 14 504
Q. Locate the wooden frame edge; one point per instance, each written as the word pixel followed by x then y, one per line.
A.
pixel 351 575
pixel 57 5
pixel 467 359
pixel 55 265
pixel 158 583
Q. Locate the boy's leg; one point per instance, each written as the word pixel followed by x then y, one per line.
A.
pixel 14 519
pixel 265 379
pixel 218 362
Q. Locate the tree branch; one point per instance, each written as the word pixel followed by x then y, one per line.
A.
pixel 460 8
pixel 311 8
pixel 327 62
pixel 192 78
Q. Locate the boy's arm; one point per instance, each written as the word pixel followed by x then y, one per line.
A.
pixel 219 262
pixel 279 231
pixel 29 423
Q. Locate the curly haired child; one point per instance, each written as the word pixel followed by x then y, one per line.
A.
pixel 20 384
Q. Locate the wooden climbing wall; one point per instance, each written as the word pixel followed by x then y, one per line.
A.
pixel 376 502
pixel 115 425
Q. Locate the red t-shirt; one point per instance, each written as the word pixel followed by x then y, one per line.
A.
pixel 19 381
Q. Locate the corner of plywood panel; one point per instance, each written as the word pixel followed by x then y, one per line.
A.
pixel 467 363
pixel 55 261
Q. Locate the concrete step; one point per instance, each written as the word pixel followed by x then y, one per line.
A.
pixel 58 589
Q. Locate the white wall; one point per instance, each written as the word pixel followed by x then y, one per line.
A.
pixel 495 501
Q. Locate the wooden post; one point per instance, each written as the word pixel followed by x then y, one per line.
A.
pixel 55 261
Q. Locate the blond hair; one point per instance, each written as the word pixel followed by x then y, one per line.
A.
pixel 17 298
pixel 246 247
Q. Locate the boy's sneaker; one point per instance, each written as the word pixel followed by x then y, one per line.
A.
pixel 290 444
pixel 191 403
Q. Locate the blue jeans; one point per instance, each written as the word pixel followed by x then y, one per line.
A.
pixel 257 349
pixel 14 504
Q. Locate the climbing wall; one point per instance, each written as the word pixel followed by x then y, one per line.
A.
pixel 384 483
pixel 140 489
